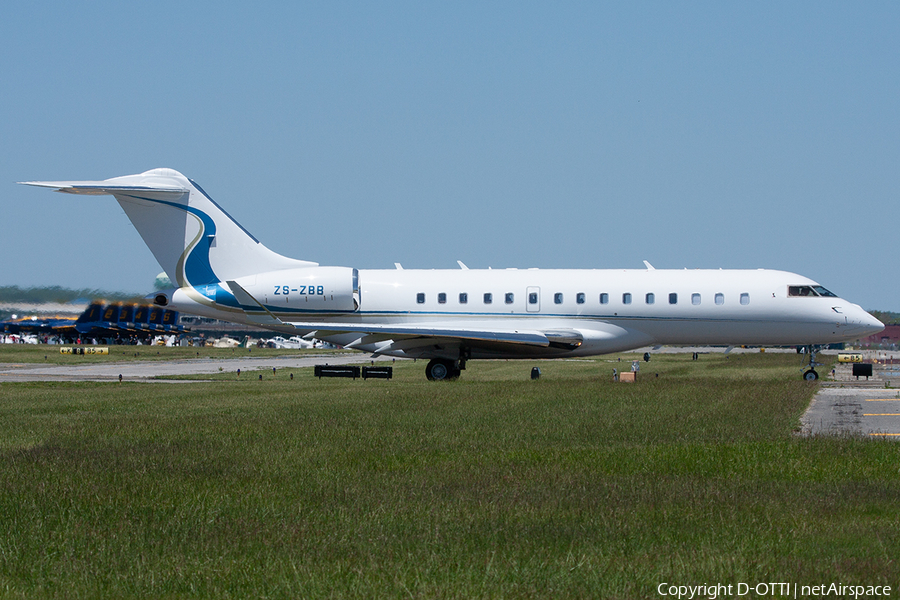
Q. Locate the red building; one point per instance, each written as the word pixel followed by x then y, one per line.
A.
pixel 883 339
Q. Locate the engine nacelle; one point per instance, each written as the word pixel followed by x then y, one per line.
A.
pixel 331 289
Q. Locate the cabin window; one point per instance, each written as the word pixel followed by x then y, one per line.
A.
pixel 557 298
pixel 463 298
pixel 745 298
pixel 579 298
pixel 673 298
pixel 488 298
pixel 695 299
pixel 510 297
pixel 626 298
pixel 442 298
pixel 420 298
pixel 650 298
pixel 720 298
pixel 604 298
pixel 532 298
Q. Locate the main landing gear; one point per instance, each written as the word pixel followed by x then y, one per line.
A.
pixel 442 369
pixel 810 374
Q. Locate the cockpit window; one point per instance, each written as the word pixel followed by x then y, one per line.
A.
pixel 800 290
pixel 809 290
pixel 823 292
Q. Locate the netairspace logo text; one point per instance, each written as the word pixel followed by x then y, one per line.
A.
pixel 711 591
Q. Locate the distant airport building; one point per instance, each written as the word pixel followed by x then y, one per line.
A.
pixel 888 339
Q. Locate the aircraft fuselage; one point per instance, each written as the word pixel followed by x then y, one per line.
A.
pixel 613 310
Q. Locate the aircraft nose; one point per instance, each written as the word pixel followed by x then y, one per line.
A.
pixel 864 323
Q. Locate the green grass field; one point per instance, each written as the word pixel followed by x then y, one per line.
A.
pixel 494 486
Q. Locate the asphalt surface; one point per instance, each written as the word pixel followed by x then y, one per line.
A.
pixel 148 370
pixel 870 412
pixel 858 406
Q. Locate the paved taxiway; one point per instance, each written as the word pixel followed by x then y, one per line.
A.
pixel 869 412
pixel 849 405
pixel 147 370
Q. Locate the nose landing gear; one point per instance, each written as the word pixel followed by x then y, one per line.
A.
pixel 810 374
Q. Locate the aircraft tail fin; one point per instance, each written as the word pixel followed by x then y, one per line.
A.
pixel 195 241
pixel 91 314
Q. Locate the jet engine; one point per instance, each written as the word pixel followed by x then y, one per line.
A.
pixel 331 289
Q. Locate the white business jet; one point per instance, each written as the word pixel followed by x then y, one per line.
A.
pixel 452 316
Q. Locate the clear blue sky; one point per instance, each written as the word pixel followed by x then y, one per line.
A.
pixel 588 135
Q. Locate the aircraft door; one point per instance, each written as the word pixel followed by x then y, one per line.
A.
pixel 533 299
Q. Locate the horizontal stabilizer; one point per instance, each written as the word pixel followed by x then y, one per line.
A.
pixel 100 188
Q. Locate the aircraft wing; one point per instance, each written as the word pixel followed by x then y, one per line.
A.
pixel 375 332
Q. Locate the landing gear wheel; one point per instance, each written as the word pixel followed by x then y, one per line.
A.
pixel 440 370
pixel 810 374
